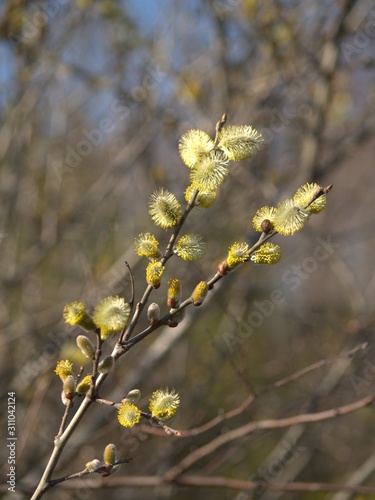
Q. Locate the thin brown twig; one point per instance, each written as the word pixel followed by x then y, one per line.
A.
pixel 64 419
pixel 246 429
pixel 210 283
pixel 193 480
pixel 314 366
pixel 131 300
pixel 251 398
pixel 102 469
pixel 219 126
pixel 167 255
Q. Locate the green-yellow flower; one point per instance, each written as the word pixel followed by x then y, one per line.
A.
pixel 193 146
pixel 240 142
pixel 154 272
pixel 205 198
pixel 84 385
pixel 128 415
pixel 238 252
pixel 164 403
pixel 289 217
pixel 264 213
pixel 111 314
pixel 164 209
pixel 146 245
pixel 75 314
pixel 268 253
pixel 174 293
pixel 210 172
pixel 191 247
pixel 306 193
pixel 63 369
pixel 199 293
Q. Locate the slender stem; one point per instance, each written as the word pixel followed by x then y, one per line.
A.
pixel 219 482
pixel 138 310
pixel 131 301
pixel 164 320
pixel 250 427
pixel 105 402
pixel 44 483
pixel 167 255
pixel 217 277
pixel 169 250
pixel 219 126
pixel 63 437
pixel 274 385
pixel 64 419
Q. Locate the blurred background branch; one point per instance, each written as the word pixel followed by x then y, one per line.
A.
pixel 94 98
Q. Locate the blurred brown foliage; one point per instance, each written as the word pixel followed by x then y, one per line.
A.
pixel 94 97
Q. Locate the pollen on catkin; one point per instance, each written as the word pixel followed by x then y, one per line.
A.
pixel 84 385
pixel 174 293
pixel 199 293
pixel 75 313
pixel 154 272
pixel 63 369
pixel 210 172
pixel 268 253
pixel 193 146
pixel 191 247
pixel 164 403
pixel 128 415
pixel 306 193
pixel 164 209
pixel 264 213
pixel 111 314
pixel 146 245
pixel 289 217
pixel 238 252
pixel 205 197
pixel 240 142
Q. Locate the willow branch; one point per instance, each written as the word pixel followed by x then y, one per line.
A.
pixel 167 255
pixel 275 385
pixel 246 429
pixel 192 480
